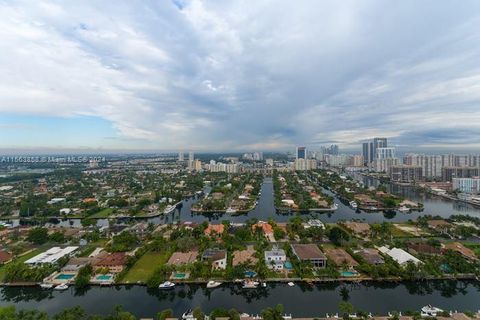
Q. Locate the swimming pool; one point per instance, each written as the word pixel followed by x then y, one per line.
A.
pixel 349 273
pixel 64 276
pixel 179 275
pixel 104 277
pixel 250 274
pixel 288 265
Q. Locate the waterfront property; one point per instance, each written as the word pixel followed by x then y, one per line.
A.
pixel 114 262
pixel 182 258
pixel 399 255
pixel 275 258
pixel 341 258
pixel 217 258
pixel 245 257
pixel 310 253
pixel 52 255
pixel 370 255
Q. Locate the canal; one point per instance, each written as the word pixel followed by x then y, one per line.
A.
pixel 300 300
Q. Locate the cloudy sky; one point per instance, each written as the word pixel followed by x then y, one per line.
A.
pixel 239 75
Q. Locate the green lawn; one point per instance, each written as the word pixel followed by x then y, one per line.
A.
pixel 475 247
pixel 23 258
pixel 105 213
pixel 145 266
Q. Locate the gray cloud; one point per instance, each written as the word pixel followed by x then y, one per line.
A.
pixel 239 75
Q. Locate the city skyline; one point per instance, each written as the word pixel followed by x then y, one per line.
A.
pixel 198 75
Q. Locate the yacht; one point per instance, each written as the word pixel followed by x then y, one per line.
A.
pixel 230 210
pixel 248 284
pixel 61 287
pixel 213 284
pixel 430 311
pixel 169 209
pixel 291 284
pixel 44 285
pixel 404 209
pixel 166 285
pixel 353 204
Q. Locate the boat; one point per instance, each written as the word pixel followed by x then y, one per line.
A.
pixel 404 209
pixel 264 284
pixel 250 284
pixel 166 285
pixel 61 287
pixel 230 210
pixel 353 204
pixel 188 315
pixel 430 311
pixel 213 284
pixel 169 209
pixel 291 284
pixel 44 285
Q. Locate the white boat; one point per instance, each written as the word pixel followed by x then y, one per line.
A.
pixel 166 285
pixel 213 284
pixel 61 287
pixel 353 204
pixel 188 315
pixel 46 285
pixel 230 210
pixel 250 284
pixel 264 284
pixel 404 209
pixel 291 284
pixel 430 311
pixel 169 209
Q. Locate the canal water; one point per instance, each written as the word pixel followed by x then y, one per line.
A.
pixel 300 300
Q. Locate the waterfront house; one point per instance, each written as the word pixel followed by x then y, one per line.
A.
pixel 423 248
pixel 461 249
pixel 265 228
pixel 52 255
pixel 341 258
pixel 217 257
pixel 76 263
pixel 114 262
pixel 310 253
pixel 439 225
pixel 181 258
pixel 371 256
pixel 275 258
pixel 214 230
pixel 244 257
pixel 400 256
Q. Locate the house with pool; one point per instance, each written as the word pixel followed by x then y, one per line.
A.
pixel 310 253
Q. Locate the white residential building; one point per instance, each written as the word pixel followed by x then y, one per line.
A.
pixel 400 256
pixel 275 258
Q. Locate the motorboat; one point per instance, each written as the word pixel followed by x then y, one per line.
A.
pixel 187 315
pixel 169 209
pixel 61 287
pixel 44 285
pixel 166 285
pixel 353 204
pixel 230 210
pixel 291 284
pixel 264 284
pixel 404 209
pixel 213 284
pixel 430 311
pixel 250 284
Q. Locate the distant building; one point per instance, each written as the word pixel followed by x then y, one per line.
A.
pixel 368 152
pixel 181 156
pixel 301 153
pixel 448 173
pixel 406 173
pixel 191 159
pixel 466 185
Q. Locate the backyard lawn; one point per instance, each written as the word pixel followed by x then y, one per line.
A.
pixel 145 266
pixel 23 258
pixel 105 213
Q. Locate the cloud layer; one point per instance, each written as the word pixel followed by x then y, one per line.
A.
pixel 226 75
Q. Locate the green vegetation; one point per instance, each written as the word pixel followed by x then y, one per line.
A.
pixel 144 268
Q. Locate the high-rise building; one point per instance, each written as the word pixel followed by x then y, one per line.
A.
pixel 181 156
pixel 301 153
pixel 406 173
pixel 384 153
pixel 379 143
pixel 466 185
pixel 368 152
pixel 191 160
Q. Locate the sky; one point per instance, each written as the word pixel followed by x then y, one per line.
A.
pixel 238 75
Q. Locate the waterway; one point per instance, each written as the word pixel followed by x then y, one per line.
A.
pixel 300 300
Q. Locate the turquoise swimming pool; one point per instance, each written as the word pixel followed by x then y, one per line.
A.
pixel 64 276
pixel 250 274
pixel 179 275
pixel 349 273
pixel 288 265
pixel 104 277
